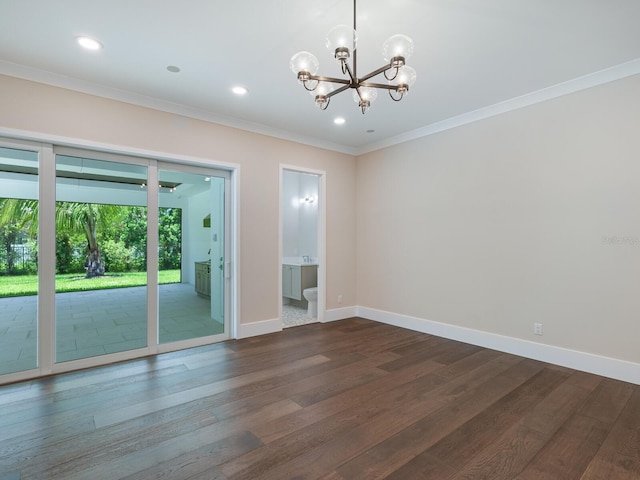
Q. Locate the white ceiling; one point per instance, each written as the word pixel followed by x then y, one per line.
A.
pixel 469 55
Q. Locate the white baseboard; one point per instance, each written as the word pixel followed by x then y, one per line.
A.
pixel 339 314
pixel 586 362
pixel 583 361
pixel 246 330
pixel 263 327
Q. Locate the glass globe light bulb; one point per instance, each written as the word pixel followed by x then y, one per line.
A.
pixel 397 49
pixel 304 62
pixel 320 93
pixel 324 88
pixel 368 93
pixel 406 76
pixel 342 41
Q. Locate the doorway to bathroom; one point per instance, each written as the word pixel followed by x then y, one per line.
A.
pixel 301 246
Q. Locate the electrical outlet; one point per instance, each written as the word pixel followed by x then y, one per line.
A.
pixel 339 299
pixel 537 328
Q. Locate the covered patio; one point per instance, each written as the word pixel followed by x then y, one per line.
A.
pixel 99 322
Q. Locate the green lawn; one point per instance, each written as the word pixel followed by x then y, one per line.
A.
pixel 16 286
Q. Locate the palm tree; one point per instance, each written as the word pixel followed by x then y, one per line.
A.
pixel 88 218
pixel 70 217
pixel 21 213
pixel 14 219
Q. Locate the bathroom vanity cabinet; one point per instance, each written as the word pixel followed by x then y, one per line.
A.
pixel 203 278
pixel 295 278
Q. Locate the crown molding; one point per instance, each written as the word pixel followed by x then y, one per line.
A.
pixel 571 86
pixel 69 83
pixel 601 77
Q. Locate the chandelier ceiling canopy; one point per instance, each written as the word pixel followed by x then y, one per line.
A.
pixel 342 42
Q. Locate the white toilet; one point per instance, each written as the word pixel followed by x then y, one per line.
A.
pixel 311 295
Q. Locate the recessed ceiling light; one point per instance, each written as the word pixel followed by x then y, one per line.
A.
pixel 240 90
pixel 339 120
pixel 370 131
pixel 89 43
pixel 173 68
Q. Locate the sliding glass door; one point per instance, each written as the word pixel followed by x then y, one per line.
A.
pixel 105 257
pixel 194 307
pixel 101 257
pixel 18 260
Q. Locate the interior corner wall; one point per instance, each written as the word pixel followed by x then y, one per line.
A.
pixel 529 216
pixel 45 111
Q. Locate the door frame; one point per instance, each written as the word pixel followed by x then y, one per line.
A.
pixel 322 236
pixel 47 148
pixel 228 284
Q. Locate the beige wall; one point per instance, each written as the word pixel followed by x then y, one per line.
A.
pixel 530 216
pixel 38 108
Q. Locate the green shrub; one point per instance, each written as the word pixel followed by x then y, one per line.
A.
pixel 70 254
pixel 64 254
pixel 138 260
pixel 116 256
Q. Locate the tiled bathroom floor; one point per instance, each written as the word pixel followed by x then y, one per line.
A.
pixel 295 316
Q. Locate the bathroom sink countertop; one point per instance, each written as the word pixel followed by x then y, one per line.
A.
pixel 299 261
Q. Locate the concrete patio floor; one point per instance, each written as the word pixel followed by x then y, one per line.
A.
pixel 99 322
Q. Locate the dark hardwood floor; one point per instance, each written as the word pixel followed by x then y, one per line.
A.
pixel 348 400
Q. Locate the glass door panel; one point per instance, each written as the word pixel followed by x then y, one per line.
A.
pixel 192 306
pixel 18 260
pixel 101 257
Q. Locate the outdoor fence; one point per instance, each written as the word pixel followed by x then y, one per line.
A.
pixel 21 258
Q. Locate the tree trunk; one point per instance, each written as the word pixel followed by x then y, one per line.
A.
pixel 94 265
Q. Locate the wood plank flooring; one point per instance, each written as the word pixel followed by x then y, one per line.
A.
pixel 348 400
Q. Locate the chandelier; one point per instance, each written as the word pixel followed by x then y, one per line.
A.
pixel 342 42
